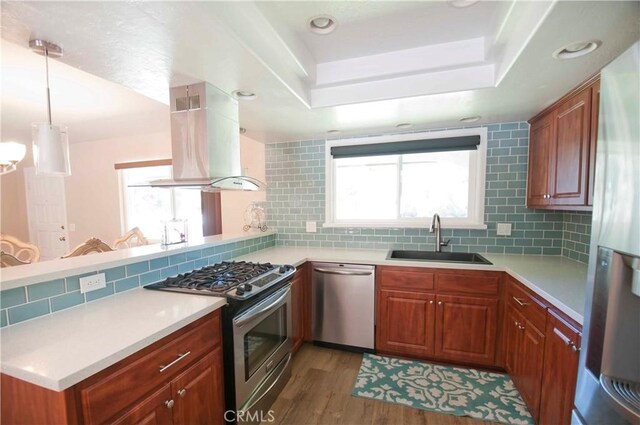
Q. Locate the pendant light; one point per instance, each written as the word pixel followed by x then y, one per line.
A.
pixel 50 142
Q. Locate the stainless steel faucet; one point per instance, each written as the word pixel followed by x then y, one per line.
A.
pixel 435 227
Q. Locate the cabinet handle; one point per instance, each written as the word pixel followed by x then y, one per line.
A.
pixel 563 337
pixel 574 348
pixel 520 302
pixel 182 392
pixel 169 403
pixel 180 357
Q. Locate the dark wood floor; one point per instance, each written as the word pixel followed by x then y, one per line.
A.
pixel 319 392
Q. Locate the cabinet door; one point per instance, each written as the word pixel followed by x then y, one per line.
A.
pixel 405 323
pixel 198 392
pixel 297 311
pixel 512 334
pixel 540 138
pixel 154 410
pixel 466 329
pixel 529 369
pixel 560 372
pixel 593 142
pixel 570 151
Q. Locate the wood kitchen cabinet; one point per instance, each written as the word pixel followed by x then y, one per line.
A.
pixel 176 380
pixel 562 151
pixel 299 308
pixel 560 370
pixel 438 314
pixel 466 329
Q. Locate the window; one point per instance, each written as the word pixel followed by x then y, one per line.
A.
pixel 148 207
pixel 402 180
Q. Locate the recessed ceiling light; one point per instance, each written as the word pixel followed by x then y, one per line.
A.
pixel 334 132
pixel 462 3
pixel 577 49
pixel 243 130
pixel 243 95
pixel 322 24
pixel 404 125
pixel 470 119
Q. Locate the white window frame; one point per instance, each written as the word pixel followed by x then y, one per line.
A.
pixel 477 174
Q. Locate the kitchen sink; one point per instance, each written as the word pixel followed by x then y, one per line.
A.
pixel 444 257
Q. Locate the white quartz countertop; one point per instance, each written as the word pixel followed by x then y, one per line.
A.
pixel 559 280
pixel 59 350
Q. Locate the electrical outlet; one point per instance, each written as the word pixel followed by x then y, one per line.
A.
pixel 93 282
pixel 312 227
pixel 503 229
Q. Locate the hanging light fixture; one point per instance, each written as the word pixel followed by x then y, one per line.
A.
pixel 50 142
pixel 10 154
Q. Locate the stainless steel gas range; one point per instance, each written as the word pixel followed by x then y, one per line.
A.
pixel 256 327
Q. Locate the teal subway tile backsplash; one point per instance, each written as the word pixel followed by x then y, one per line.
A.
pixel 128 283
pixel 28 311
pixel 12 297
pixel 100 293
pixel 67 300
pixel 27 302
pixel 45 289
pixel 159 263
pixel 114 273
pixel 137 268
pixel 296 194
pixel 576 235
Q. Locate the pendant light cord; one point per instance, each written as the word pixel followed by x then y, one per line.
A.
pixel 46 61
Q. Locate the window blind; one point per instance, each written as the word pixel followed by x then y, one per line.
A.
pixel 448 144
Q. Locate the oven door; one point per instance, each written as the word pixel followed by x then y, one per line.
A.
pixel 261 340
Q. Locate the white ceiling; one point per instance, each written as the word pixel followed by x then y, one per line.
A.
pixel 422 62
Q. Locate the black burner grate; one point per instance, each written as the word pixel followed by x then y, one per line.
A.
pixel 219 277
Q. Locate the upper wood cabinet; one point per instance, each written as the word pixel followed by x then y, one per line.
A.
pixel 562 151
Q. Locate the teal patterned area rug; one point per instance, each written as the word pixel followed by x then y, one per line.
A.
pixel 451 390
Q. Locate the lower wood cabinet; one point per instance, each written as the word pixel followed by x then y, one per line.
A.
pixel 416 317
pixel 406 323
pixel 299 310
pixel 466 329
pixel 177 380
pixel 560 371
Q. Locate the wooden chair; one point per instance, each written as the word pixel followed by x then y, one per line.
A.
pixel 89 246
pixel 24 252
pixel 8 260
pixel 133 237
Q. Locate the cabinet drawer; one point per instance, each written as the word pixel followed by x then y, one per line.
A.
pixel 126 382
pixel 468 282
pixel 529 306
pixel 406 279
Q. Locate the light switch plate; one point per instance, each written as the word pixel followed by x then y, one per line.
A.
pixel 93 282
pixel 312 227
pixel 503 229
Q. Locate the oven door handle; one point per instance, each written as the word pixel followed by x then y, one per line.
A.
pixel 264 307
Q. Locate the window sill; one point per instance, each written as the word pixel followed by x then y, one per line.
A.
pixel 444 225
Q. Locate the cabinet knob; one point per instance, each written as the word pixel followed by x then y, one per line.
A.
pixel 169 403
pixel 431 302
pixel 574 348
pixel 439 302
pixel 182 392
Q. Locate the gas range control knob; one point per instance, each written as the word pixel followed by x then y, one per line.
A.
pixel 247 287
pixel 282 269
pixel 239 291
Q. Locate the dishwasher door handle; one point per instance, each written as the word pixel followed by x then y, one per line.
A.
pixel 343 272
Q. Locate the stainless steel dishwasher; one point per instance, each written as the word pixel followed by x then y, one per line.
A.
pixel 343 305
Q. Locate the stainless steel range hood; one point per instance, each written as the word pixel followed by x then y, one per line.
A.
pixel 205 141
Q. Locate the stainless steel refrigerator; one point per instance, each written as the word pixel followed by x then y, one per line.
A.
pixel 608 390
